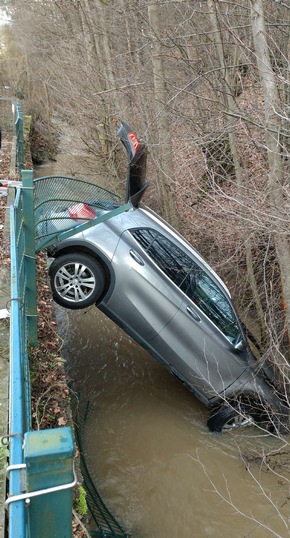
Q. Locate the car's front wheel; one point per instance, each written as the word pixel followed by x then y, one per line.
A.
pixel 231 417
pixel 77 280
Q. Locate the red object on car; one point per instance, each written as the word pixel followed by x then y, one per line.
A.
pixel 81 211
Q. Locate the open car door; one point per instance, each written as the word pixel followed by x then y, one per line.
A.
pixel 137 158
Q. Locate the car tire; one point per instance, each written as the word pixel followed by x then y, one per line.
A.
pixel 231 417
pixel 77 280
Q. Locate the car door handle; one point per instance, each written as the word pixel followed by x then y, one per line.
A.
pixel 192 314
pixel 136 257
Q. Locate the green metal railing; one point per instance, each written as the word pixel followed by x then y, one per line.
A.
pixel 53 195
pixel 40 470
pixel 19 415
pixel 11 124
pixel 18 121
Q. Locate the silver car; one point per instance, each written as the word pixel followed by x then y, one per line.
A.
pixel 150 281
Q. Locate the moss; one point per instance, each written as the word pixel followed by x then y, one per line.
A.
pixel 80 502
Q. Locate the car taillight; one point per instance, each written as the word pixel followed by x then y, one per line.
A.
pixel 81 212
pixel 135 141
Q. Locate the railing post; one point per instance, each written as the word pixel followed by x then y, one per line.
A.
pixel 49 455
pixel 30 259
pixel 19 135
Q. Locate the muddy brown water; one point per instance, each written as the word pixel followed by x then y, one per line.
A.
pixel 158 468
pixel 156 465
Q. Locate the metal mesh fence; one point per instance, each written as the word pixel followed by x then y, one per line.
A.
pixel 54 195
pixel 107 526
pixel 19 386
pixel 11 124
pixel 20 332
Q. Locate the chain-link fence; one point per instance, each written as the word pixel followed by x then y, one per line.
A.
pixel 107 526
pixel 11 126
pixel 64 206
pixel 57 197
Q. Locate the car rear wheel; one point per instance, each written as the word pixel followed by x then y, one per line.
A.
pixel 228 418
pixel 77 280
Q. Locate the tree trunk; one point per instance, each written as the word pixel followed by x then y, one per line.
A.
pixel 273 126
pixel 166 171
pixel 230 104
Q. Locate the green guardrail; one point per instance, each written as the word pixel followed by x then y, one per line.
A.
pixel 18 121
pixel 53 195
pixel 11 124
pixel 40 471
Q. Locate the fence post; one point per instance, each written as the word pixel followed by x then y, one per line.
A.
pixel 48 455
pixel 19 136
pixel 29 256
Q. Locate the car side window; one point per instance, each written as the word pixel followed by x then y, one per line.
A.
pixel 169 258
pixel 191 279
pixel 205 293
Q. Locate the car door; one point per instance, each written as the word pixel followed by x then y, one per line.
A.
pixel 199 342
pixel 144 299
